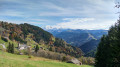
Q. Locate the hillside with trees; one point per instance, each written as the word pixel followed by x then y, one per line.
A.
pixel 30 35
pixel 89 48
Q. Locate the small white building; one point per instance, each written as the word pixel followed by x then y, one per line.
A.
pixel 3 45
pixel 22 46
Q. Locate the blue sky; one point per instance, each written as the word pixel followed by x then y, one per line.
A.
pixel 73 14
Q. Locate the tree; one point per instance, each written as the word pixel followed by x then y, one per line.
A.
pixel 10 48
pixel 64 58
pixel 103 53
pixel 108 51
pixel 36 48
pixel 50 49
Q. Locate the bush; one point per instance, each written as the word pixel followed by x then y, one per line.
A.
pixel 64 58
pixel 87 60
pixel 52 55
pixel 29 56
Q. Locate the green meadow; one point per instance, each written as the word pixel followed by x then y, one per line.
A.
pixel 13 60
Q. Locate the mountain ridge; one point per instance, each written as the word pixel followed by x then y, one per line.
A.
pixel 80 38
pixel 19 33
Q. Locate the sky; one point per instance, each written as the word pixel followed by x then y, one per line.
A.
pixel 49 14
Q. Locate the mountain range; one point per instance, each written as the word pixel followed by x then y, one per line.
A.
pixel 68 41
pixel 86 40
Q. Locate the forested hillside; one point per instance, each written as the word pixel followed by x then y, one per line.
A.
pixel 77 37
pixel 33 35
pixel 89 48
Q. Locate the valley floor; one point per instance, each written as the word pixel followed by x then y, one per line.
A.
pixel 12 60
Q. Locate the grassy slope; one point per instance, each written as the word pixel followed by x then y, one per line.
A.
pixel 12 60
pixel 9 41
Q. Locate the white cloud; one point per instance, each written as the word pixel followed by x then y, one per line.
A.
pixel 82 23
pixel 78 19
pixel 59 7
pixel 101 11
pixel 40 20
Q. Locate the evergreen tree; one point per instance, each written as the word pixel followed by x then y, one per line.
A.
pixel 50 49
pixel 36 48
pixel 8 48
pixel 12 48
pixel 108 52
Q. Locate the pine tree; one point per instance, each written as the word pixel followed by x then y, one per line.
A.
pixel 36 48
pixel 12 48
pixel 8 48
pixel 50 49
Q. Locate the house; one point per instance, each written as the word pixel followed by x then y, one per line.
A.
pixel 75 61
pixel 22 46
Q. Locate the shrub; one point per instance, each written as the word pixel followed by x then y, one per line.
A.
pixel 52 55
pixel 29 56
pixel 64 58
pixel 87 60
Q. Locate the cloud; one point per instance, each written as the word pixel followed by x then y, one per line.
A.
pixel 21 22
pixel 54 13
pixel 77 20
pixel 40 20
pixel 58 7
pixel 82 23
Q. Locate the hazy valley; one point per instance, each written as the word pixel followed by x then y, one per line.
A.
pixel 86 40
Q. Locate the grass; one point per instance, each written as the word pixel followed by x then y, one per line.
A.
pixel 12 60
